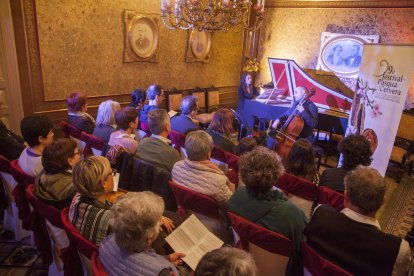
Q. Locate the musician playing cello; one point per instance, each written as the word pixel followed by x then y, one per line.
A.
pixel 304 108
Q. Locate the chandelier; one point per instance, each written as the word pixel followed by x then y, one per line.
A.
pixel 211 15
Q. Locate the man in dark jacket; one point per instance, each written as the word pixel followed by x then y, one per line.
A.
pixel 183 123
pixel 155 96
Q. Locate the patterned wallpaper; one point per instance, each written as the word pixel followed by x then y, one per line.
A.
pixel 295 33
pixel 82 43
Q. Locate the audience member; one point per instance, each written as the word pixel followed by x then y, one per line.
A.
pixel 198 173
pixel 226 261
pixel 77 115
pixel 138 97
pixel 38 133
pixel 135 220
pixel 89 209
pixel 155 96
pixel 268 207
pixel 355 150
pixel 301 161
pixel 12 144
pixel 246 144
pixel 157 149
pixel 127 121
pixel 54 184
pixel 105 120
pixel 184 123
pixel 352 238
pixel 220 129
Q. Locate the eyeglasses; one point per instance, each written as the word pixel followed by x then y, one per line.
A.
pixel 113 172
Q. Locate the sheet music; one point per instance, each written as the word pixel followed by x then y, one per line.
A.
pixel 194 240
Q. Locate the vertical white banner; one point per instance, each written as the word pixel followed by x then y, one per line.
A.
pixel 382 87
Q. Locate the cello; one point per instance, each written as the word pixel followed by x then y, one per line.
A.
pixel 290 130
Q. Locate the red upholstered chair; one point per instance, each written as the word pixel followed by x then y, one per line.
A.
pixel 300 192
pixel 330 197
pixel 270 250
pixel 94 145
pixel 231 160
pixel 177 139
pixel 97 267
pixel 41 214
pixel 77 243
pixel 23 180
pixel 73 133
pixel 316 265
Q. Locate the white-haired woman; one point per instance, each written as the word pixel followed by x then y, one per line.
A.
pixel 105 120
pixel 89 209
pixel 198 173
pixel 135 220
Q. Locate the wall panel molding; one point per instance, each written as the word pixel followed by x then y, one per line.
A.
pixel 340 4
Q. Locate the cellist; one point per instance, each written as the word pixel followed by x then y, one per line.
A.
pixel 307 110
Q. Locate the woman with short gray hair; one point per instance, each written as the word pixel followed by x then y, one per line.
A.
pixel 198 173
pixel 135 220
pixel 105 120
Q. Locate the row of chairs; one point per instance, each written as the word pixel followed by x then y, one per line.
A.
pixel 208 98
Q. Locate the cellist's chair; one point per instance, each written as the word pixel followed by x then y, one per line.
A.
pixel 270 250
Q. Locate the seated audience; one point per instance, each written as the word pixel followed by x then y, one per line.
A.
pixel 138 97
pixel 355 150
pixel 89 209
pixel 226 261
pixel 105 120
pixel 12 144
pixel 127 121
pixel 157 149
pixel 220 129
pixel 245 144
pixel 54 184
pixel 155 96
pixel 268 207
pixel 38 133
pixel 184 123
pixel 77 115
pixel 301 161
pixel 198 173
pixel 135 221
pixel 352 238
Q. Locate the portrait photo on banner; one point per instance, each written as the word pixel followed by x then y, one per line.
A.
pixel 342 53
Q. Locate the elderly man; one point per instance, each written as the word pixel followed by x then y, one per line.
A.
pixel 155 96
pixel 183 123
pixel 352 238
pixel 198 173
pixel 157 149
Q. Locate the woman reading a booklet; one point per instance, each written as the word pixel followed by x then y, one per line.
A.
pixel 135 220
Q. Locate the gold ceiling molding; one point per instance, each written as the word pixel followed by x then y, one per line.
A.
pixel 339 4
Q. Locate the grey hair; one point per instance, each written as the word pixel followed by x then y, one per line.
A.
pixel 226 261
pixel 135 218
pixel 259 169
pixel 365 188
pixel 157 119
pixel 188 104
pixel 89 173
pixel 198 145
pixel 106 113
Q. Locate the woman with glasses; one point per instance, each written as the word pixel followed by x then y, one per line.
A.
pixel 94 181
pixel 54 184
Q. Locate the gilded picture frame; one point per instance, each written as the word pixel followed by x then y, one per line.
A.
pixel 342 53
pixel 198 47
pixel 141 37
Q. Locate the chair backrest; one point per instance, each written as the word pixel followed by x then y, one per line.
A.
pixel 93 144
pixel 315 264
pixel 405 128
pixel 189 200
pixel 138 175
pixel 70 130
pixel 213 100
pixel 174 100
pixel 23 180
pixel 270 250
pixel 300 192
pixel 19 175
pixel 97 267
pixel 177 139
pixel 330 197
pixel 201 96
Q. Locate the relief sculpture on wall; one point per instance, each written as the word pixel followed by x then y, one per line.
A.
pixel 141 37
